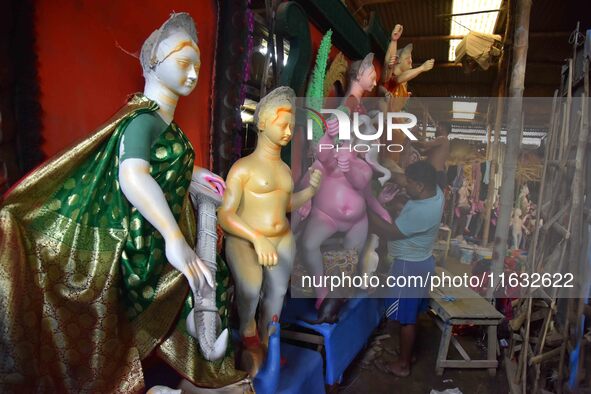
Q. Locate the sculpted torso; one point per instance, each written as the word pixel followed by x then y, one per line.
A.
pixel 337 197
pixel 267 191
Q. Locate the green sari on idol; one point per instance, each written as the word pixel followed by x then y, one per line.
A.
pixel 86 292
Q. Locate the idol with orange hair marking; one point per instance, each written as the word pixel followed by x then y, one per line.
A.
pixel 97 253
pixel 260 246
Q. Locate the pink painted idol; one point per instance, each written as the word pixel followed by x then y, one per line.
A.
pixel 340 205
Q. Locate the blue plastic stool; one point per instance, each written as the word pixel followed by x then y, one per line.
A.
pixel 303 372
pixel 343 340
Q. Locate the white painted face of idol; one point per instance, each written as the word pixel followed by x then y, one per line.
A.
pixel 367 79
pixel 178 66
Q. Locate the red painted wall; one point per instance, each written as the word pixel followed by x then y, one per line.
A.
pixel 84 77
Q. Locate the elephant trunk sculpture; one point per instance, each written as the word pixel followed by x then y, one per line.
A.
pixel 371 157
pixel 203 322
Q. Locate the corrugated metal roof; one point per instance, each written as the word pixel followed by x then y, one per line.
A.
pixel 551 22
pixel 419 17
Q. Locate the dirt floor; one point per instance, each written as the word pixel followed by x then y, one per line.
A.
pixel 364 377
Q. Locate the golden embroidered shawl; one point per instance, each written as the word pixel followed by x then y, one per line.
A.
pixel 85 290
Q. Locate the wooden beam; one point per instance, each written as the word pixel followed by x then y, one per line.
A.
pixel 469 364
pixel 467 13
pixel 423 84
pixel 500 85
pixel 519 60
pixel 444 37
pixel 514 128
pixel 378 2
pixel 546 356
pixel 557 216
pixel 447 64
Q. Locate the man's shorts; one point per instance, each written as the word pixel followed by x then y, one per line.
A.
pixel 407 302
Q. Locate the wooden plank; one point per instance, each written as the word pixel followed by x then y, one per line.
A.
pixel 558 215
pixel 443 348
pixel 491 350
pixel 559 163
pixel 560 230
pixel 544 356
pixel 467 304
pixel 454 341
pixel 469 364
pixel 462 308
pixel 460 349
pixel 478 322
pixel 445 37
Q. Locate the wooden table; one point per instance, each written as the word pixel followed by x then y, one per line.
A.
pixel 467 308
pixel 446 232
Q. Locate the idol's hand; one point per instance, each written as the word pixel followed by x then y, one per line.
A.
pixel 208 179
pixel 315 178
pixel 182 257
pixel 396 32
pixel 305 209
pixel 266 252
pixel 428 65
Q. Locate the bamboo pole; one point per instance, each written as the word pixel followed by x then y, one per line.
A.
pixel 513 134
pixel 501 91
pixel 545 356
pixel 516 88
pixel 577 211
pixel 489 133
pixel 534 247
pixel 519 60
pixel 493 166
pixel 582 308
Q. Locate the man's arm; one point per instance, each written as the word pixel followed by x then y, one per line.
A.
pixel 385 230
pixel 375 206
pixel 428 145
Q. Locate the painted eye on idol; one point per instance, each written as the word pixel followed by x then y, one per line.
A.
pixel 183 64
